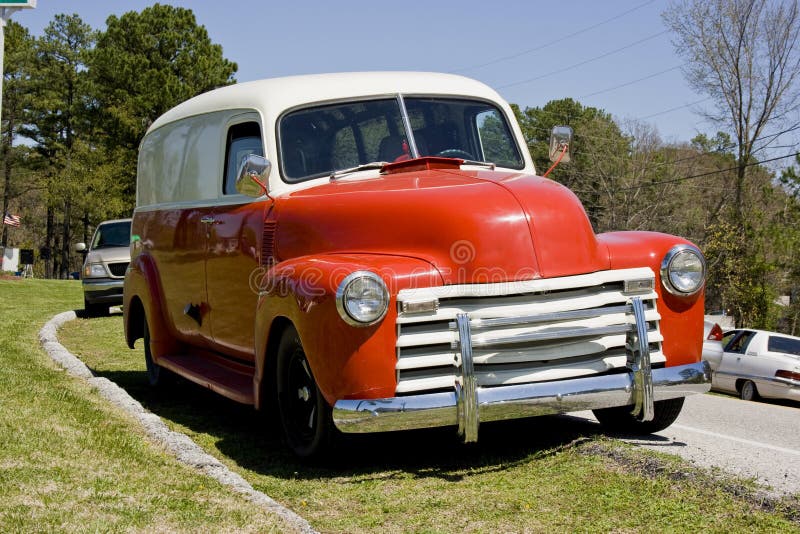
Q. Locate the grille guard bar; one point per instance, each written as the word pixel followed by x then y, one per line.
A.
pixel 470 404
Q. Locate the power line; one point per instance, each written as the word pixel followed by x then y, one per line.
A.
pixel 670 110
pixel 701 175
pixel 659 73
pixel 580 64
pixel 555 42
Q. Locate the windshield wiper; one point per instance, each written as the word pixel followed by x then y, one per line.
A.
pixel 488 164
pixel 362 167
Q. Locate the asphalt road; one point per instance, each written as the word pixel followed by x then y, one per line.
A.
pixel 753 440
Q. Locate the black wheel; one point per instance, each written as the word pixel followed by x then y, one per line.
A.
pixel 157 376
pixel 748 392
pixel 620 419
pixel 305 415
pixel 455 153
pixel 94 310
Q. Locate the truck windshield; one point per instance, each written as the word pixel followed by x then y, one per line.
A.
pixel 318 141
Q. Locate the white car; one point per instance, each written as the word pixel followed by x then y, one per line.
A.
pixel 712 344
pixel 757 364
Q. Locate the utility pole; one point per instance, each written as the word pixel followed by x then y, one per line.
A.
pixel 7 8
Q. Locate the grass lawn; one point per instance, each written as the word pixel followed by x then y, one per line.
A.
pixel 70 462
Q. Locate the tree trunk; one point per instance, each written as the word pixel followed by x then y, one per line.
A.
pixel 86 227
pixel 65 240
pixel 49 245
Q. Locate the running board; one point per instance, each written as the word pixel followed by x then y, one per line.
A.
pixel 217 377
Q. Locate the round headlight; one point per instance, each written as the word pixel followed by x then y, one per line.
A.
pixel 683 270
pixel 362 298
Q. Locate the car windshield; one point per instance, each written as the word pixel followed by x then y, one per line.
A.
pixel 116 234
pixel 321 140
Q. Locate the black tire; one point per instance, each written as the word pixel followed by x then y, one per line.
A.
pixel 748 391
pixel 157 376
pixel 305 415
pixel 619 419
pixel 94 310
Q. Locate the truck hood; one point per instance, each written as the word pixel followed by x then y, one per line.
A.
pixel 473 226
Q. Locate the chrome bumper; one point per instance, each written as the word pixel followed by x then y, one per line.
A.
pixel 470 404
pixel 512 402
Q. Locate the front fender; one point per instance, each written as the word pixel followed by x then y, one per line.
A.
pixel 681 317
pixel 347 361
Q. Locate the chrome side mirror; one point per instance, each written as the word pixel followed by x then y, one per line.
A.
pixel 560 141
pixel 251 180
pixel 80 247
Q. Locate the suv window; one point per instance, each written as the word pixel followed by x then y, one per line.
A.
pixel 243 139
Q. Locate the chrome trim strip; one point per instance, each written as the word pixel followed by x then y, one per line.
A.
pixel 517 401
pixel 102 285
pixel 539 285
pixel 760 378
pixel 412 143
pixel 468 420
pixel 638 349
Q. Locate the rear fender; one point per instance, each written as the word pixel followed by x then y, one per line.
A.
pixel 142 283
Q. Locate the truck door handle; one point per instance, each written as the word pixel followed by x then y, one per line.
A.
pixel 208 219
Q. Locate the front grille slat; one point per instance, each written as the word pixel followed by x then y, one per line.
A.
pixel 521 306
pixel 531 333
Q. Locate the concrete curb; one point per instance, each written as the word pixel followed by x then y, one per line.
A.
pixel 179 445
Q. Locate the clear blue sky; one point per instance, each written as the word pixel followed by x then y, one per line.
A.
pixel 515 46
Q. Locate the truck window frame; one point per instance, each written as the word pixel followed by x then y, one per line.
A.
pixel 241 139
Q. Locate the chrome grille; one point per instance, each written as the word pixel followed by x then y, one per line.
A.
pixel 118 269
pixel 522 332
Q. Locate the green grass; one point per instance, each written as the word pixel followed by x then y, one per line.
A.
pixel 69 462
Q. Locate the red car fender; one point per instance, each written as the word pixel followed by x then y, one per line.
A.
pixel 681 317
pixel 347 361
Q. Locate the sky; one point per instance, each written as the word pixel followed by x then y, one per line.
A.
pixel 615 55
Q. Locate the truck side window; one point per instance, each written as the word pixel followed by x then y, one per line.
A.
pixel 243 139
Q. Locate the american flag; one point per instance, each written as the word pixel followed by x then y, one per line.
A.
pixel 11 220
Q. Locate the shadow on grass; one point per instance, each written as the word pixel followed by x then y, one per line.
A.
pixel 252 439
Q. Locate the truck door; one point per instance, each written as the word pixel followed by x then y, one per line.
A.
pixel 234 238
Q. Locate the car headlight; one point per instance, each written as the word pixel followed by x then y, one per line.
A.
pixel 683 270
pixel 362 298
pixel 94 270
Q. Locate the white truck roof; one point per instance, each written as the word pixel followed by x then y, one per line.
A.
pixel 273 96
